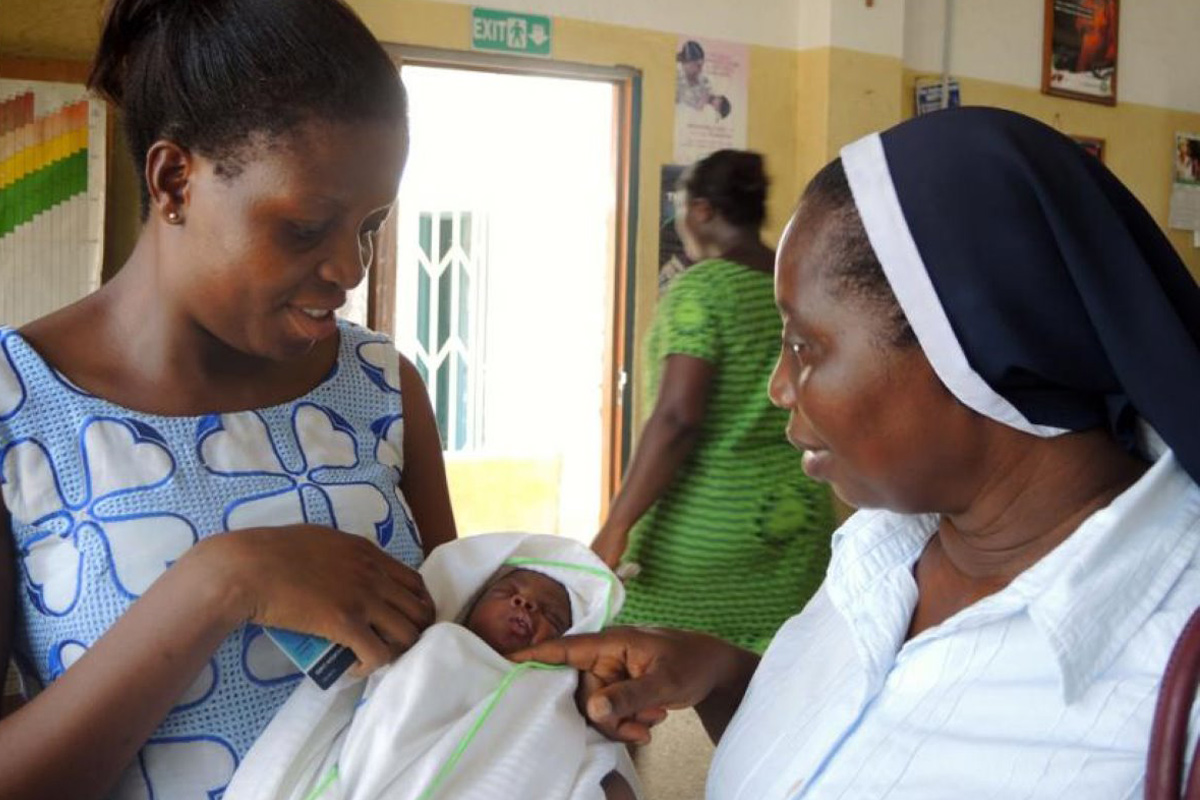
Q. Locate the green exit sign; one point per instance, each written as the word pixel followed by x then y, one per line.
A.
pixel 508 32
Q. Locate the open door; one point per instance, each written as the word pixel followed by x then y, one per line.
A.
pixel 505 274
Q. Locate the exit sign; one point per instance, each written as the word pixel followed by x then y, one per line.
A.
pixel 508 32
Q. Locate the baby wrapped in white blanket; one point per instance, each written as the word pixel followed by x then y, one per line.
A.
pixel 452 717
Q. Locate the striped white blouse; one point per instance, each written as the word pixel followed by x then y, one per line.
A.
pixel 1045 689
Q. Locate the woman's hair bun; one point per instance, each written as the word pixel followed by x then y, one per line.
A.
pixel 209 74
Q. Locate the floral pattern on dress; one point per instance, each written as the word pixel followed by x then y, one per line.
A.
pixel 140 546
pixel 196 768
pixel 240 444
pixel 379 363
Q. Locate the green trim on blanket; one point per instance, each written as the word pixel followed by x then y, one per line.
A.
pixel 596 571
pixel 324 784
pixel 465 742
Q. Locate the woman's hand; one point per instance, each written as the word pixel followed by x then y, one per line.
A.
pixel 318 580
pixel 633 675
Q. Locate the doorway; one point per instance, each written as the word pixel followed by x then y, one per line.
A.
pixel 509 288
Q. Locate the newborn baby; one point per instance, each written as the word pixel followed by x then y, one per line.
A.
pixel 519 608
pixel 452 717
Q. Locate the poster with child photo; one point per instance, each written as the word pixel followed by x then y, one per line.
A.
pixel 710 97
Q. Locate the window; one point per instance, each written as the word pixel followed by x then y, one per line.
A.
pixel 442 263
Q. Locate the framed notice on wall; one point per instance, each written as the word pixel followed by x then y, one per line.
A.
pixel 1079 54
pixel 1091 145
pixel 53 147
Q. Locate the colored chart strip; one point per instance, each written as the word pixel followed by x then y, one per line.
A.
pixel 31 159
pixel 37 131
pixel 41 190
pixel 15 112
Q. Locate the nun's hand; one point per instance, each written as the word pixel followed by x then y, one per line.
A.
pixel 589 684
pixel 632 676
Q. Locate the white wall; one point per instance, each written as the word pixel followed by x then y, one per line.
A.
pixel 815 23
pixel 767 22
pixel 877 29
pixel 1158 58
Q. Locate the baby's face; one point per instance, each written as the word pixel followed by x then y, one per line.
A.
pixel 520 609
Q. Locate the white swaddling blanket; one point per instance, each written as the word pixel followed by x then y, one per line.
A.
pixel 451 718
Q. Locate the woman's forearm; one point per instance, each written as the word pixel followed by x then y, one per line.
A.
pixel 77 737
pixel 669 437
pixel 665 444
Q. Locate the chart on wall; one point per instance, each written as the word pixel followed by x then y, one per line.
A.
pixel 710 97
pixel 52 161
pixel 1185 185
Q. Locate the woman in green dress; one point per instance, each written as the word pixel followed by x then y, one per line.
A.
pixel 727 533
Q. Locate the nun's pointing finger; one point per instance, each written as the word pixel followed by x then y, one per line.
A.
pixel 604 655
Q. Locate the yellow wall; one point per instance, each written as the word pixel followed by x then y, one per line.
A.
pixel 520 494
pixel 864 96
pixel 63 29
pixel 812 111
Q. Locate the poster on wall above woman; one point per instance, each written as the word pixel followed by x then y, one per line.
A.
pixel 52 173
pixel 1079 54
pixel 710 97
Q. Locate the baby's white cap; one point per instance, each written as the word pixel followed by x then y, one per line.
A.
pixel 456 571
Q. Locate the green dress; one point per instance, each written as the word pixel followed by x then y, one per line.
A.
pixel 740 540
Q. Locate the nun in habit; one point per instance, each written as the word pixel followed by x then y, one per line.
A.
pixel 991 350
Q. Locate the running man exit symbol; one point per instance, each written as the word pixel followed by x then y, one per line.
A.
pixel 508 32
pixel 516 34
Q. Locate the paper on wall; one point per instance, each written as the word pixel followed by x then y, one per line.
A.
pixel 710 97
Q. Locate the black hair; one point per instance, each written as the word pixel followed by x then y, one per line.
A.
pixel 734 182
pixel 691 51
pixel 210 74
pixel 853 266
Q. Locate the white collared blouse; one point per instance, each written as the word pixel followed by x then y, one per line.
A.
pixel 1045 689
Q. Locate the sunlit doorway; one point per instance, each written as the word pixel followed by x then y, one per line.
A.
pixel 507 274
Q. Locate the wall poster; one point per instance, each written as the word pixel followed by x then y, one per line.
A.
pixel 1185 183
pixel 1079 53
pixel 710 97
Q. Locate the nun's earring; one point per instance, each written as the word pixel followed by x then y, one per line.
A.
pixel 173 218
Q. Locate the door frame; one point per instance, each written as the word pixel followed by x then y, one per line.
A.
pixel 616 388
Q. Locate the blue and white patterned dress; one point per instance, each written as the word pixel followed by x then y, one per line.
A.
pixel 104 499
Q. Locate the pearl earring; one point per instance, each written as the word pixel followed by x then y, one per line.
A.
pixel 173 217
